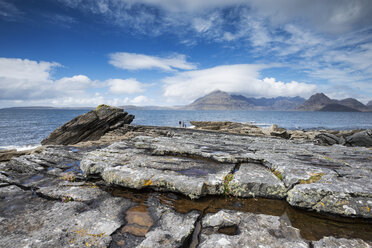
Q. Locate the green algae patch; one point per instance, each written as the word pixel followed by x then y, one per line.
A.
pixel 105 106
pixel 277 174
pixel 226 180
pixel 315 177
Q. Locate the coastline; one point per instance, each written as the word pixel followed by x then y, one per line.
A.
pixel 133 183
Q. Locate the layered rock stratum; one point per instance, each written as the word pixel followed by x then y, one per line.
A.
pixel 90 126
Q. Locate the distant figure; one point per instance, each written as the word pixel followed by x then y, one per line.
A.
pixel 183 124
pixel 179 123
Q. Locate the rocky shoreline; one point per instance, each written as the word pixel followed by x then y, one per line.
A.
pixel 130 186
pixel 357 137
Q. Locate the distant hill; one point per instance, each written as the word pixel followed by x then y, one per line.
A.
pixel 369 104
pixel 316 102
pixel 321 102
pixel 334 107
pixel 48 107
pixel 133 107
pixel 220 100
pixel 353 103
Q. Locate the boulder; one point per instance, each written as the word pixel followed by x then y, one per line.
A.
pixel 328 139
pixel 90 126
pixel 276 131
pixel 363 138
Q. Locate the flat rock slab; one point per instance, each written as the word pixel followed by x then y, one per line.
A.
pixel 126 165
pixel 30 221
pixel 335 242
pixel 236 229
pixel 332 179
pixel 253 180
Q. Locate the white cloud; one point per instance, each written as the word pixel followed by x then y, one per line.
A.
pixel 140 100
pixel 25 82
pixel 241 78
pixel 134 61
pixel 26 69
pixel 125 86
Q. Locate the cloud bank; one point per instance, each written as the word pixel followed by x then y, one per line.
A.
pixel 134 61
pixel 241 78
pixel 26 82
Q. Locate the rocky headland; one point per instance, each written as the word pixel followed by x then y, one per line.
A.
pixel 123 185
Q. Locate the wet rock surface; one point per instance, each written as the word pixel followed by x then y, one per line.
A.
pixel 64 196
pixel 197 163
pixel 90 126
pixel 254 230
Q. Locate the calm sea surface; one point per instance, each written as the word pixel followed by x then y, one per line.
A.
pixel 25 128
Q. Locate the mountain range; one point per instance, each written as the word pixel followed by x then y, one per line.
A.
pixel 321 102
pixel 220 100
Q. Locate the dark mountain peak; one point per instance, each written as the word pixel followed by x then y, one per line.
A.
pixel 353 103
pixel 320 97
pixel 369 104
pixel 217 92
pixel 218 100
pixel 316 102
pixel 322 102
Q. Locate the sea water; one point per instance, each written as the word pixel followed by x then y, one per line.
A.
pixel 25 128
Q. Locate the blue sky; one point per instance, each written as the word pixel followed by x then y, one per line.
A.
pixel 170 52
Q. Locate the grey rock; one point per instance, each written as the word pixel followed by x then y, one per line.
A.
pixel 251 230
pixel 276 131
pixel 348 197
pixel 253 180
pixel 328 139
pixel 6 155
pixel 123 165
pixel 62 157
pixel 90 126
pixel 333 242
pixel 29 221
pixel 363 138
pixel 171 230
pixel 168 159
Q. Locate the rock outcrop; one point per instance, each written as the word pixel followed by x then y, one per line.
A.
pixel 363 138
pixel 319 137
pixel 90 126
pixel 195 163
pixel 49 200
pixel 328 139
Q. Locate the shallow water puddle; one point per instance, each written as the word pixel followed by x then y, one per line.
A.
pixel 312 225
pixel 194 172
pixel 138 221
pixel 73 167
